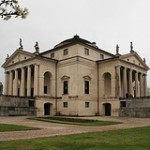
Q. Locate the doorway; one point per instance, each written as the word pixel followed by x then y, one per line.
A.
pixel 107 109
pixel 47 108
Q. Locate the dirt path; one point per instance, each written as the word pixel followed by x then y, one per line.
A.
pixel 53 129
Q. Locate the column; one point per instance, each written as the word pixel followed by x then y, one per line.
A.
pixel 6 92
pixel 16 83
pixel 10 83
pixel 22 86
pixel 130 83
pixel 118 82
pixel 145 85
pixel 136 84
pixel 36 79
pixel 124 82
pixel 141 85
pixel 29 81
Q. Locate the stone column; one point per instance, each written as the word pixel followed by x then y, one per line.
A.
pixel 10 83
pixel 36 75
pixel 29 81
pixel 124 82
pixel 22 86
pixel 16 83
pixel 136 84
pixel 141 85
pixel 145 85
pixel 6 92
pixel 130 83
pixel 118 82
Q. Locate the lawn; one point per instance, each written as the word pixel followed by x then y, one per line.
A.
pixel 126 139
pixel 75 121
pixel 11 127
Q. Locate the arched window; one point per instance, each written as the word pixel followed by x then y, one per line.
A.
pixel 107 84
pixel 47 77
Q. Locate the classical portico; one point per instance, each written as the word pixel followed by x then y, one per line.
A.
pixel 22 81
pixel 130 82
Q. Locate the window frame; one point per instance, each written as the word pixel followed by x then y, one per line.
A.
pixel 86 51
pixel 52 55
pixel 65 104
pixel 86 87
pixel 101 56
pixel 65 87
pixel 87 104
pixel 65 52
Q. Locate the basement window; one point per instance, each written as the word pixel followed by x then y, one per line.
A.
pixel 65 104
pixel 87 104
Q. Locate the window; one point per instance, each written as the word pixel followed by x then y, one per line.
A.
pixel 52 55
pixel 87 104
pixel 86 51
pixel 101 56
pixel 86 87
pixel 45 89
pixel 65 104
pixel 65 51
pixel 65 88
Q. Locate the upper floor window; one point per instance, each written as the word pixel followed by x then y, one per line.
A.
pixel 101 56
pixel 65 87
pixel 86 87
pixel 86 51
pixel 52 55
pixel 66 51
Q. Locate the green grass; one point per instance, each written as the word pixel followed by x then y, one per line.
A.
pixel 11 127
pixel 74 121
pixel 127 139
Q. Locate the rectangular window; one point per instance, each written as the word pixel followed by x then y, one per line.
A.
pixel 87 104
pixel 65 51
pixel 101 56
pixel 52 55
pixel 65 88
pixel 86 51
pixel 65 104
pixel 45 89
pixel 86 87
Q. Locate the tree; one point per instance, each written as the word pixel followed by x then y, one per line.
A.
pixel 9 8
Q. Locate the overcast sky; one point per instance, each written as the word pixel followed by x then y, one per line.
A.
pixel 106 22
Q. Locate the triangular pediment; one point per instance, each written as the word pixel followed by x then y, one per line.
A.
pixel 87 77
pixel 65 77
pixel 16 57
pixel 135 59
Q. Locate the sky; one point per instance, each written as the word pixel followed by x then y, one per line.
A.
pixel 106 22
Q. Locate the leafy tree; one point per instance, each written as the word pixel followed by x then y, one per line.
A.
pixel 9 8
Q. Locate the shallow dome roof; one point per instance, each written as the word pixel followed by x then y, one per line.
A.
pixel 75 39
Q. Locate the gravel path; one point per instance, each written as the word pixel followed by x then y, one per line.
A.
pixel 53 129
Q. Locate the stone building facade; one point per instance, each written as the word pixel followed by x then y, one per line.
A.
pixel 75 78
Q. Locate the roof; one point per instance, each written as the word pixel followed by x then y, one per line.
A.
pixel 76 39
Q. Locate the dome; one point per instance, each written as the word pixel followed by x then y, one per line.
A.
pixel 75 39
